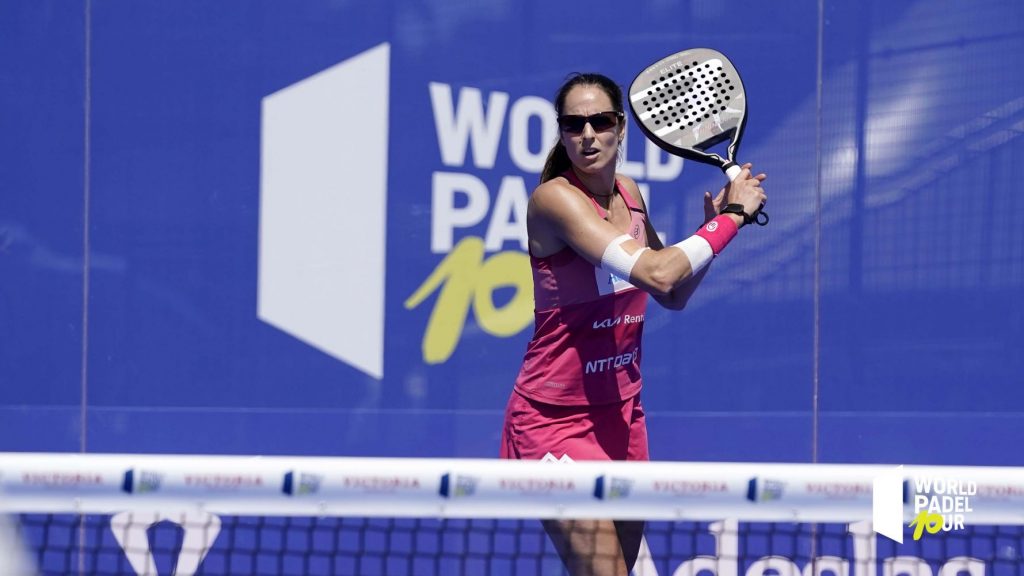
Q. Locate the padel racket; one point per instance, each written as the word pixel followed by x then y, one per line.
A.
pixel 689 102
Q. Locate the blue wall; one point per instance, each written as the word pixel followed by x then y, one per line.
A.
pixel 130 211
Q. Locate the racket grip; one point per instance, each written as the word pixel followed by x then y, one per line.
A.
pixel 732 170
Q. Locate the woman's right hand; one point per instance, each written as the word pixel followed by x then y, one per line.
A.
pixel 746 190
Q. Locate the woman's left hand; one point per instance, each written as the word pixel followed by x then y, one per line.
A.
pixel 713 205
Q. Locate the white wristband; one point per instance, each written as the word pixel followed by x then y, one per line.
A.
pixel 617 261
pixel 698 250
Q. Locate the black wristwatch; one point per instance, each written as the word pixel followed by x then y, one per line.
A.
pixel 747 218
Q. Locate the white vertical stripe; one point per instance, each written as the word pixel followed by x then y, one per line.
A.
pixel 887 504
pixel 323 209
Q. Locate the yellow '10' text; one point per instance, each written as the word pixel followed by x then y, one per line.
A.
pixel 933 522
pixel 465 278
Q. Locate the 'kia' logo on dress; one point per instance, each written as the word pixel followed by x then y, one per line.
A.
pixel 608 323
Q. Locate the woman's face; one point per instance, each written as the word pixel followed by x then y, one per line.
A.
pixel 590 150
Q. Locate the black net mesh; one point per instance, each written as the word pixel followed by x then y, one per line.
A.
pixel 199 544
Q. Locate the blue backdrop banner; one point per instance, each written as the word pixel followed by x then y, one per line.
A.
pixel 258 227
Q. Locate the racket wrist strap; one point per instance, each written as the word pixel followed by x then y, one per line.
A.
pixel 739 211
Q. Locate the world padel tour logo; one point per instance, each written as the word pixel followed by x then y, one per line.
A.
pixel 939 503
pixel 324 150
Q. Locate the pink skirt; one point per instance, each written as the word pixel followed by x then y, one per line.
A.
pixel 535 431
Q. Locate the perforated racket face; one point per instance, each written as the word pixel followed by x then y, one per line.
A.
pixel 690 101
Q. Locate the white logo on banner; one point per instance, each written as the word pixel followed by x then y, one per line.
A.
pixel 887 504
pixel 323 209
pixel 941 502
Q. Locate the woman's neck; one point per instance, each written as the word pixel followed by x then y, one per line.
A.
pixel 601 184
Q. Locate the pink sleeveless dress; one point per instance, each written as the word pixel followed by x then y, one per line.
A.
pixel 580 376
pixel 585 348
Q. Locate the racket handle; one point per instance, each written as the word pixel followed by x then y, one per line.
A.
pixel 732 170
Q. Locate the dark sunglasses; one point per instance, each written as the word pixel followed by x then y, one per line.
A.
pixel 574 123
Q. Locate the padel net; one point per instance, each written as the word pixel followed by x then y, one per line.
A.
pixel 184 514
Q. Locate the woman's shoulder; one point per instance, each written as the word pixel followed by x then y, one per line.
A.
pixel 558 188
pixel 557 199
pixel 628 183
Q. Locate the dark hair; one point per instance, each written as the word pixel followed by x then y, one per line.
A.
pixel 558 159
